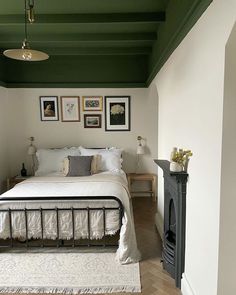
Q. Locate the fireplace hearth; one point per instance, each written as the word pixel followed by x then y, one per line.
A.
pixel 173 253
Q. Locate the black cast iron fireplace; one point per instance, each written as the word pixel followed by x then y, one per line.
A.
pixel 174 221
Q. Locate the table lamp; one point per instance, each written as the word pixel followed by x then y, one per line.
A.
pixel 140 151
pixel 31 152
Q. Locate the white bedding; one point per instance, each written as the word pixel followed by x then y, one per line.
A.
pixel 102 184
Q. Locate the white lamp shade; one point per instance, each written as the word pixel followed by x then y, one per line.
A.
pixel 31 150
pixel 140 150
pixel 26 54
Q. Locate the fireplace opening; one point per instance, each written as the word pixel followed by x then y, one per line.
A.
pixel 170 235
pixel 172 223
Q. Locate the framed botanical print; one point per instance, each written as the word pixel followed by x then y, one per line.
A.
pixel 92 121
pixel 92 103
pixel 49 108
pixel 70 109
pixel 117 113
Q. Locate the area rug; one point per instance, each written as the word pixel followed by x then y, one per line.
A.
pixel 66 273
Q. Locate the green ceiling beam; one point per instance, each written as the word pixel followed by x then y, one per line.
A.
pixel 81 37
pixel 151 17
pixel 2 70
pixel 3 84
pixel 98 51
pixel 63 51
pixel 77 71
pixel 75 85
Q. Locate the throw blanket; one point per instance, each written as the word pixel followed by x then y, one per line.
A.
pixel 102 184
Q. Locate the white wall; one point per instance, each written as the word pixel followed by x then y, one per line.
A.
pixel 4 126
pixel 25 122
pixel 190 89
pixel 227 254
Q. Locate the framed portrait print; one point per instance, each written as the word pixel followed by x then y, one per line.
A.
pixel 70 109
pixel 117 113
pixel 92 103
pixel 49 108
pixel 92 121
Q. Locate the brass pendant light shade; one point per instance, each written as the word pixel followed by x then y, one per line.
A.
pixel 25 53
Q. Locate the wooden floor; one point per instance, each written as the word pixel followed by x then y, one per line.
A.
pixel 154 280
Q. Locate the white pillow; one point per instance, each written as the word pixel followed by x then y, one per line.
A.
pixel 110 158
pixel 118 151
pixel 51 160
pixel 90 152
pixel 110 161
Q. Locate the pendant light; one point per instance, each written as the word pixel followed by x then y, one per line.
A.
pixel 26 53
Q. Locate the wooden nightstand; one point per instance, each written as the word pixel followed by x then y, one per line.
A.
pixel 12 181
pixel 143 177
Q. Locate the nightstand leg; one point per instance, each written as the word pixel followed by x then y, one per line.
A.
pixel 154 188
pixel 129 183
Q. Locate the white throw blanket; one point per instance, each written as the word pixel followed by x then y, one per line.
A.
pixel 102 184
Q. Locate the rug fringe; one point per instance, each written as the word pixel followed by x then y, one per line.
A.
pixel 67 291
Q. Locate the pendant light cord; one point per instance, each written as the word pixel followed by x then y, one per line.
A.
pixel 26 31
pixel 25 53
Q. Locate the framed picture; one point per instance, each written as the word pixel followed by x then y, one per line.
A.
pixel 117 113
pixel 92 121
pixel 70 109
pixel 49 108
pixel 92 103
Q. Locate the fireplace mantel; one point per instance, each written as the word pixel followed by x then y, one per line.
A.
pixel 165 166
pixel 173 253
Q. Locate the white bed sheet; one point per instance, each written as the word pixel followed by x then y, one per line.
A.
pixel 102 184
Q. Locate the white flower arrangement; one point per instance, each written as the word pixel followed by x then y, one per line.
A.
pixel 117 109
pixel 179 160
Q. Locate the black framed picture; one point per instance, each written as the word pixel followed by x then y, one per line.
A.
pixel 117 113
pixel 49 108
pixel 92 121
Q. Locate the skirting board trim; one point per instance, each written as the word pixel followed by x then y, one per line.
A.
pixel 186 288
pixel 159 224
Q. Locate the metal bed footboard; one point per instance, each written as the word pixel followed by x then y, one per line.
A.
pixel 42 242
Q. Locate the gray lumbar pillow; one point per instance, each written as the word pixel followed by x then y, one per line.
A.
pixel 79 165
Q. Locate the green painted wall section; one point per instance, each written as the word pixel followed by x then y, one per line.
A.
pixel 76 71
pixel 180 18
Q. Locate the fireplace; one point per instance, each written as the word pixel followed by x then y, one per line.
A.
pixel 174 221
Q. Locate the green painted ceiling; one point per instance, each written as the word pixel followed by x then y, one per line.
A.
pixel 94 43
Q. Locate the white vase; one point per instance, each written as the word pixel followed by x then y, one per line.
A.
pixel 175 167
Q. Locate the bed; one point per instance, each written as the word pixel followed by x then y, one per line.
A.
pixel 68 209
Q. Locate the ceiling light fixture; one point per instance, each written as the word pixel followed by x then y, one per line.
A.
pixel 30 11
pixel 26 53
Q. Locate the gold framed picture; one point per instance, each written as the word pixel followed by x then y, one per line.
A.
pixel 92 103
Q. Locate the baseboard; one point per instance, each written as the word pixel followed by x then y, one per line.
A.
pixel 186 289
pixel 159 224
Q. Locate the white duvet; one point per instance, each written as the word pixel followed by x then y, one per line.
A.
pixel 102 184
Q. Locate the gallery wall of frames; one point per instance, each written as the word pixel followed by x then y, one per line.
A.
pixel 88 110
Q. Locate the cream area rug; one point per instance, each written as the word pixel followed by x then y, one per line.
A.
pixel 66 273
